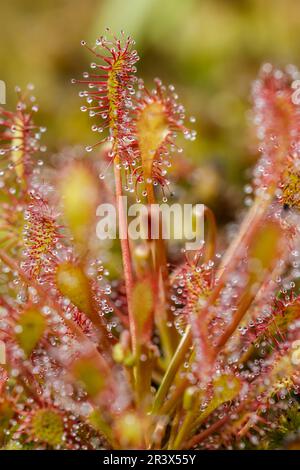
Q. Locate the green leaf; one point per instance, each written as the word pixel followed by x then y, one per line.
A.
pixel 88 374
pixel 32 325
pixel 74 284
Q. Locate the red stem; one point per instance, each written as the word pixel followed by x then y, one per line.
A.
pixel 126 255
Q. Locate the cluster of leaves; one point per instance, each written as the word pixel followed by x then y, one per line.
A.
pixel 205 353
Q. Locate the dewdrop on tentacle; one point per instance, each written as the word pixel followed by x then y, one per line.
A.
pixel 110 86
pixel 41 233
pixel 71 359
pixel 191 286
pixel 290 195
pixel 277 121
pixel 19 136
pixel 46 425
pixel 159 117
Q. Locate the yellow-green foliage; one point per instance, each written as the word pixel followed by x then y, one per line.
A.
pixel 47 426
pixel 30 329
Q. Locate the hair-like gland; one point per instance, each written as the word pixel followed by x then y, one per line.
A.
pixel 110 92
pixel 20 137
pixel 40 235
pixel 152 130
pixel 158 120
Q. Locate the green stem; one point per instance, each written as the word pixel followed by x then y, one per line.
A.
pixel 173 367
pixel 185 427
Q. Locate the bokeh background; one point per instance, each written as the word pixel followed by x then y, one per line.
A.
pixel 211 50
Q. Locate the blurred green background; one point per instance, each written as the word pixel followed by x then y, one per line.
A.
pixel 211 50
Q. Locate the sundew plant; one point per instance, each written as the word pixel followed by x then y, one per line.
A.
pixel 199 353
